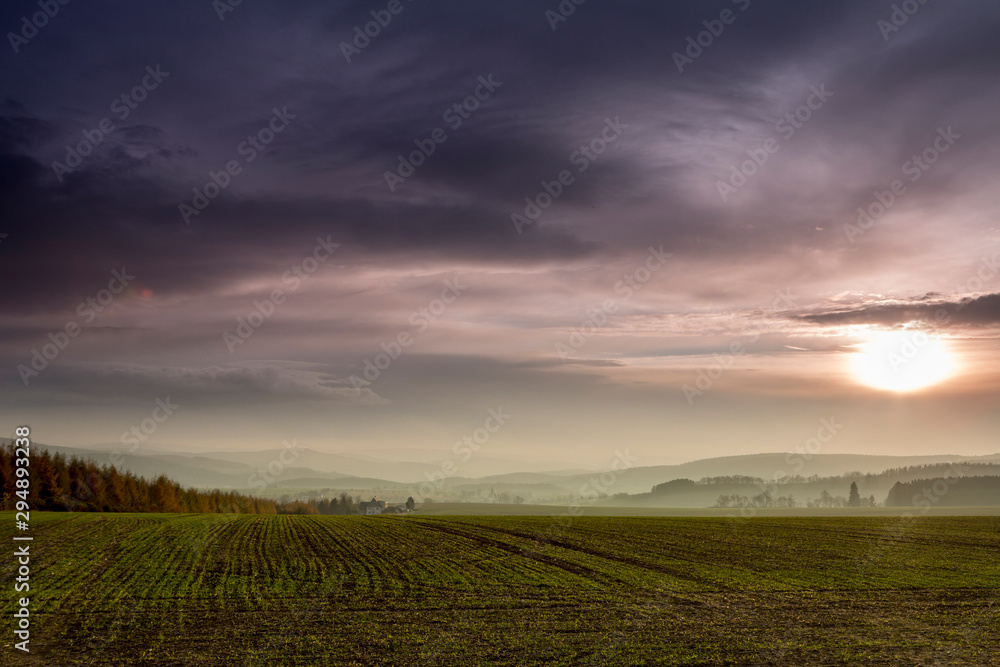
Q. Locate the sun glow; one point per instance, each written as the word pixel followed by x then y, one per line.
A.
pixel 903 361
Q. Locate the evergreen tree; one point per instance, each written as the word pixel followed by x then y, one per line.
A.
pixel 854 499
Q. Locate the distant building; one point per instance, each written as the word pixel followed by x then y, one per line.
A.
pixel 373 506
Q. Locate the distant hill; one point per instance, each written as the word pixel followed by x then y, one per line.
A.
pixel 707 492
pixel 643 479
pixel 314 470
pixel 190 471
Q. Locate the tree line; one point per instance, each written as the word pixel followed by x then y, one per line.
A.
pixel 949 492
pixel 929 469
pixel 58 484
pixel 76 485
pixel 765 499
pixel 760 500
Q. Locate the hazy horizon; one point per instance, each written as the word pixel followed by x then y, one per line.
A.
pixel 479 466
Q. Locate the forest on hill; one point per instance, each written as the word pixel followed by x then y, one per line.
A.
pixel 887 488
pixel 60 484
pixel 954 492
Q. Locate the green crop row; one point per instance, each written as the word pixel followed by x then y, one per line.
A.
pixel 271 590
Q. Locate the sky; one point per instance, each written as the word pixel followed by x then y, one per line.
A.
pixel 683 229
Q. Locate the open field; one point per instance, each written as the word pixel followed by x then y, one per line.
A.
pixel 493 509
pixel 414 590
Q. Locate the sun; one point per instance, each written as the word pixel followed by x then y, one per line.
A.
pixel 903 361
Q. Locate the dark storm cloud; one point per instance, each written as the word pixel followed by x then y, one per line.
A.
pixel 63 241
pixel 325 176
pixel 979 311
pixel 19 132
